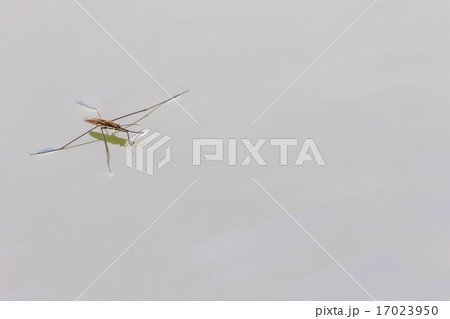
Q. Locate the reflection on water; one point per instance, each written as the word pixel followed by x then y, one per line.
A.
pixel 113 139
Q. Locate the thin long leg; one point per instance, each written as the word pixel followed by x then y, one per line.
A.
pixel 149 108
pixel 140 119
pixel 128 134
pixel 90 107
pixel 107 150
pixel 137 132
pixel 64 146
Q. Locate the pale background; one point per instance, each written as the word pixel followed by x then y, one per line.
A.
pixel 377 106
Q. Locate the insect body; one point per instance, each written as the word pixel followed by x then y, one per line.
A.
pixel 108 124
pixel 104 123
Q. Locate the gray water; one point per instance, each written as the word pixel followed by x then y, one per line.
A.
pixel 376 105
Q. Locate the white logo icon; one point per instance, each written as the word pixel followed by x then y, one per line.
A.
pixel 143 147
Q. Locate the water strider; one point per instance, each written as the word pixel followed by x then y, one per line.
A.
pixel 108 124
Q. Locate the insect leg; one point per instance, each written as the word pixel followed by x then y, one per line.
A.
pixel 149 108
pixel 107 150
pixel 62 147
pixel 90 107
